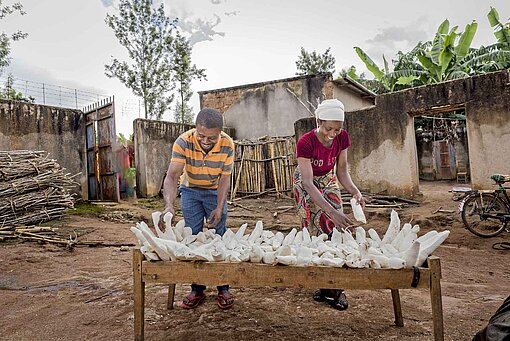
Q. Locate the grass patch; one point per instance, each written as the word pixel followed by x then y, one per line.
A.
pixel 151 203
pixel 85 208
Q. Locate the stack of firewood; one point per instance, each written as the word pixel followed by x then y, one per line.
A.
pixel 263 166
pixel 33 189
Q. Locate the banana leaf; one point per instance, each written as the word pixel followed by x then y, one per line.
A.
pixel 447 52
pixel 432 67
pixel 444 27
pixel 408 72
pixel 386 67
pixel 369 63
pixel 466 38
pixel 502 56
pixel 457 74
pixel 407 80
pixel 493 17
pixel 502 32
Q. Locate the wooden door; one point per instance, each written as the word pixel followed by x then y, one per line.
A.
pixel 100 137
pixel 445 160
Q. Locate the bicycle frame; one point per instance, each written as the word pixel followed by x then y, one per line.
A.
pixel 498 193
pixel 486 212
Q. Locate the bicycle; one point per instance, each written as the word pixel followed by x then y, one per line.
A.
pixel 486 212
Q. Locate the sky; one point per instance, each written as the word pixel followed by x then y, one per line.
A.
pixel 237 42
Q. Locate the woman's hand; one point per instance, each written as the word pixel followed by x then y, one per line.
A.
pixel 340 219
pixel 359 199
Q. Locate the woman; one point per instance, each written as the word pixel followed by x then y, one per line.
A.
pixel 315 181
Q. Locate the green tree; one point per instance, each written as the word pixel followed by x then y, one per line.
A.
pixel 495 56
pixel 184 73
pixel 6 39
pixel 314 63
pixel 442 59
pixel 8 92
pixel 146 33
pixel 371 84
pixel 382 76
pixel 445 59
pixel 389 80
pixel 448 56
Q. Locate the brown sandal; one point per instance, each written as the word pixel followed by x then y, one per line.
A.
pixel 225 300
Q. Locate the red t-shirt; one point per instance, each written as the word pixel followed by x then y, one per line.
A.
pixel 323 159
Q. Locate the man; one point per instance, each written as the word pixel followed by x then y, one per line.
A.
pixel 203 158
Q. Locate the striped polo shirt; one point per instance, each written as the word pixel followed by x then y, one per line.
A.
pixel 203 170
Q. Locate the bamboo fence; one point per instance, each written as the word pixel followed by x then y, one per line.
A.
pixel 263 166
pixel 33 189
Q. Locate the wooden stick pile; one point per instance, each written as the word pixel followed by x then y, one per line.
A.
pixel 33 189
pixel 264 165
pixel 381 201
pixel 283 163
pixel 43 234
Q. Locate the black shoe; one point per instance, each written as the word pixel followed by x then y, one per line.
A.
pixel 339 301
pixel 322 295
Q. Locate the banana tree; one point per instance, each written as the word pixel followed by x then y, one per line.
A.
pixel 443 61
pixel 495 56
pixel 390 80
pixel 487 59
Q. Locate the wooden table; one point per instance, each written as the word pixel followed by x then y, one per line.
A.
pixel 312 277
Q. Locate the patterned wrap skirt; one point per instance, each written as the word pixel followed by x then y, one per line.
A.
pixel 312 216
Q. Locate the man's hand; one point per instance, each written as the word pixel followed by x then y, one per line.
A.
pixel 161 223
pixel 339 219
pixel 214 218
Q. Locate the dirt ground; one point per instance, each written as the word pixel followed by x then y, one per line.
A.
pixel 50 293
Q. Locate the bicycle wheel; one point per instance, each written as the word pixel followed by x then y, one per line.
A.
pixel 474 212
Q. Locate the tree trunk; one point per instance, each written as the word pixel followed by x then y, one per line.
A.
pixel 182 103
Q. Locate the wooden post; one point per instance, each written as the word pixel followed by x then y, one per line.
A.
pixel 271 150
pixel 138 294
pixel 238 179
pixel 435 297
pixel 399 320
pixel 171 295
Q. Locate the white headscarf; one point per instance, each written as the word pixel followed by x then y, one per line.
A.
pixel 330 110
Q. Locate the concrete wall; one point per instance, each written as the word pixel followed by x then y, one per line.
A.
pixel 382 156
pixel 153 150
pixel 383 153
pixel 59 131
pixel 271 108
pixel 488 129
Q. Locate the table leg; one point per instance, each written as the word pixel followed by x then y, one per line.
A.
pixel 435 297
pixel 399 319
pixel 139 295
pixel 171 295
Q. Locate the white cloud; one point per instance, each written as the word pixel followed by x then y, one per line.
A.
pixel 391 39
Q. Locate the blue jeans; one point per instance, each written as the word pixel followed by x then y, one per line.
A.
pixel 197 205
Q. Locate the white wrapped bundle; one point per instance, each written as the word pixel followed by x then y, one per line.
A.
pixel 399 248
pixel 357 211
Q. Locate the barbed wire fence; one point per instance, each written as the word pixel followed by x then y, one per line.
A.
pixel 62 96
pixel 50 94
